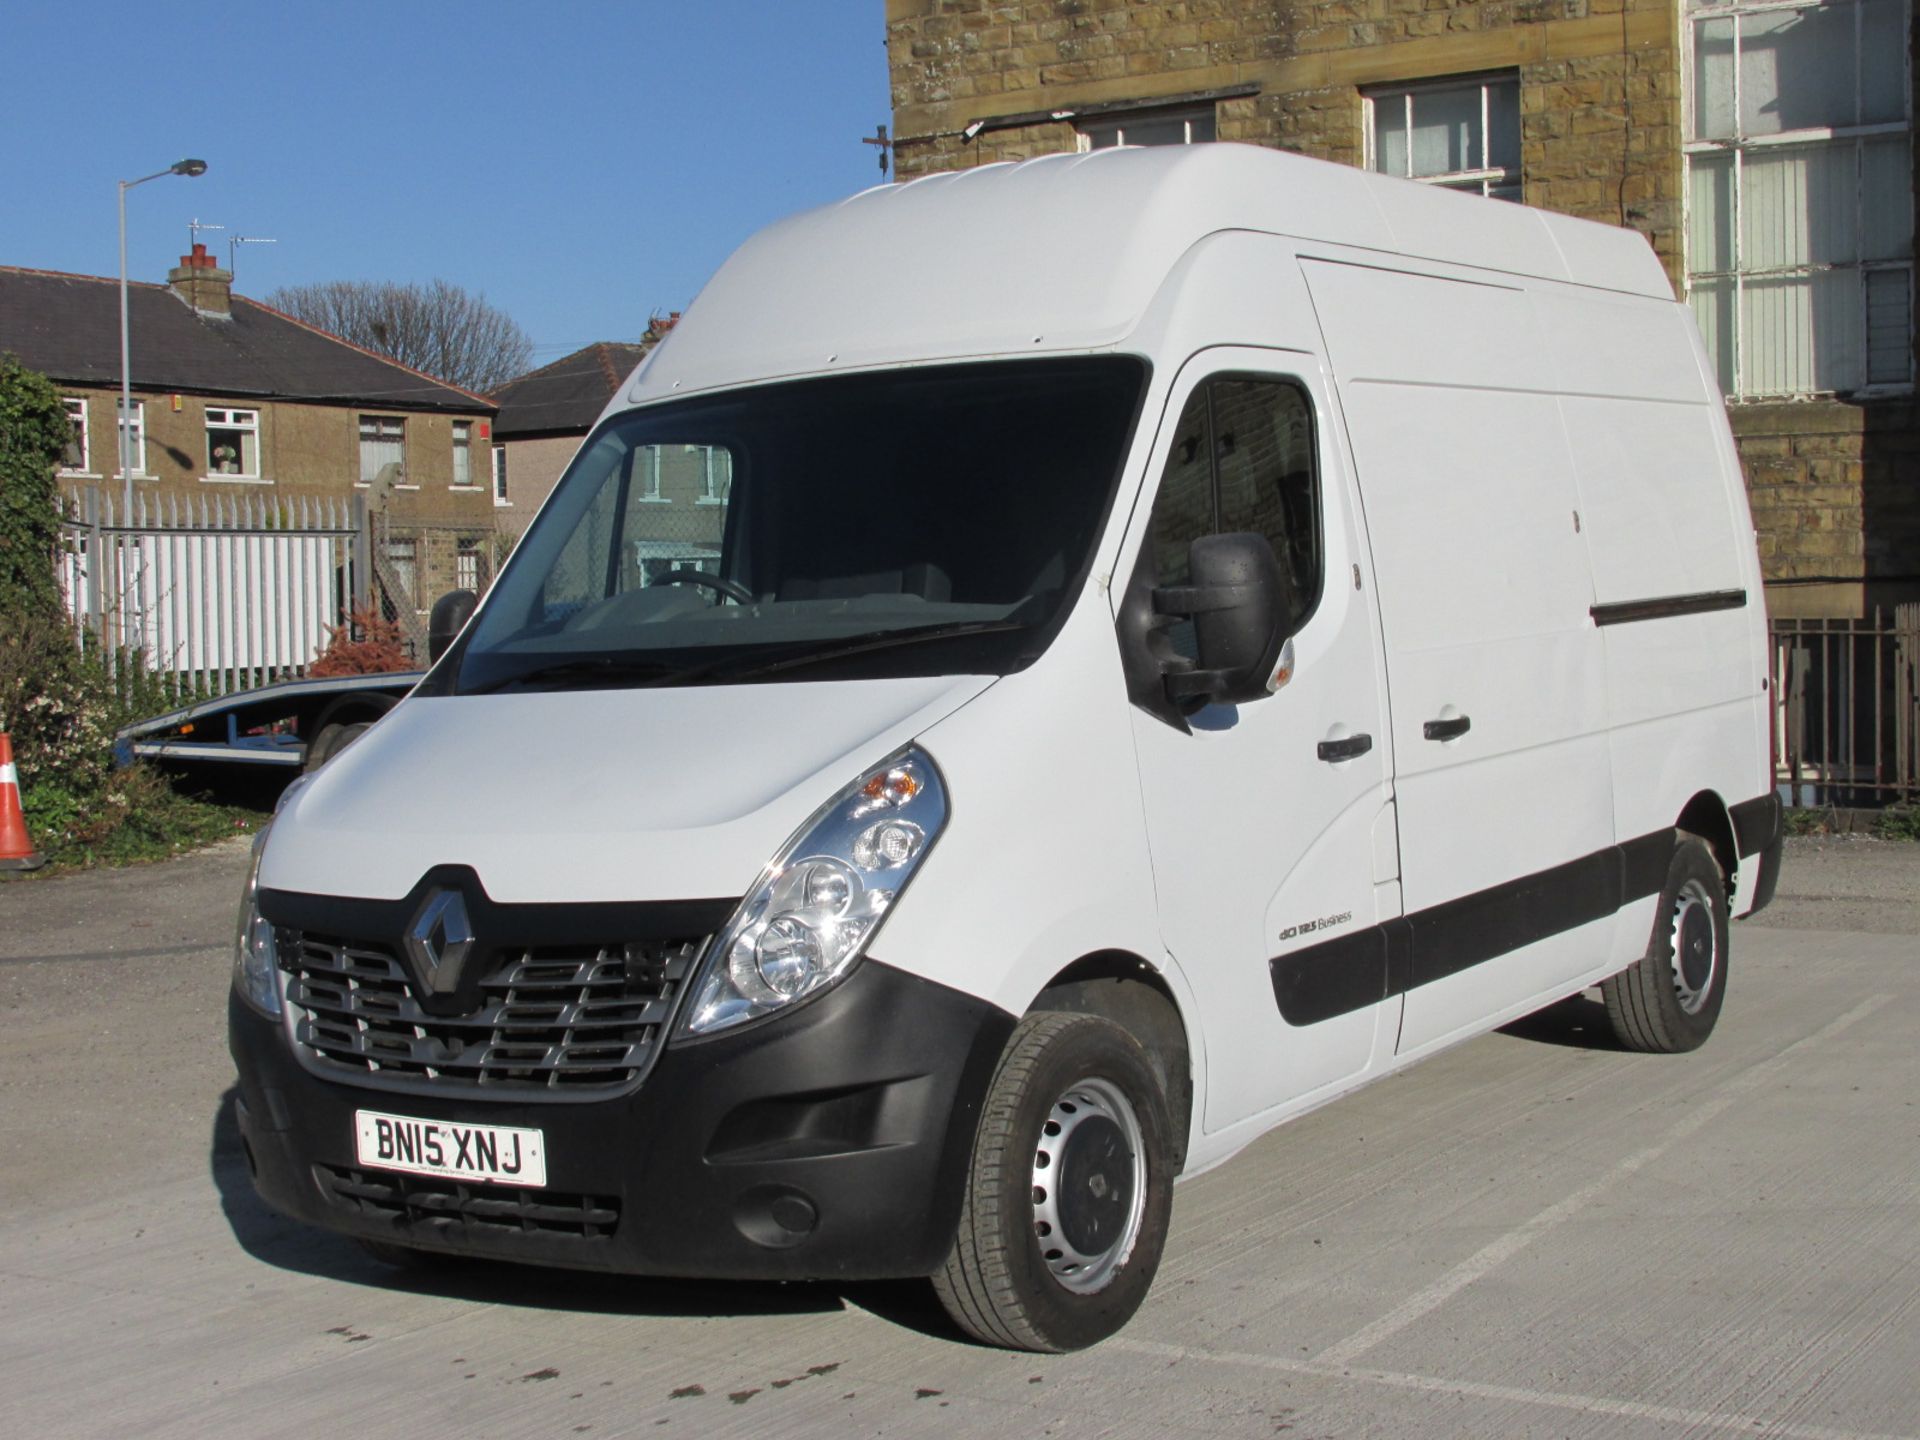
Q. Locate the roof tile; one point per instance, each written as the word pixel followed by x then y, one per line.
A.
pixel 68 328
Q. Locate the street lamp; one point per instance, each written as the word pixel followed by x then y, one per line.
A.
pixel 189 168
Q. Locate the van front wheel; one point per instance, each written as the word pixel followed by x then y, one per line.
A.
pixel 1669 999
pixel 1068 1193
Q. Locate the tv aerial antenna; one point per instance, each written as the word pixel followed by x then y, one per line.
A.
pixel 234 242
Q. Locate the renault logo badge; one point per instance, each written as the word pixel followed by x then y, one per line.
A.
pixel 438 943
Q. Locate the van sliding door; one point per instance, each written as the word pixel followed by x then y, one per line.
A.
pixel 1496 676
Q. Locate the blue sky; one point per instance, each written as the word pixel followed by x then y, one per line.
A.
pixel 583 165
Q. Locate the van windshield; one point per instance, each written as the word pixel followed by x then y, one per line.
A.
pixel 906 522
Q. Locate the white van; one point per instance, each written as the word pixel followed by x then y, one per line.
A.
pixel 1046 674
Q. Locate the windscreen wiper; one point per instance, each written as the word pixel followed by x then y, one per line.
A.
pixel 581 672
pixel 735 667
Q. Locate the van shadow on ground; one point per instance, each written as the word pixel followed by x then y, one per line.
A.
pixel 1579 1021
pixel 272 1239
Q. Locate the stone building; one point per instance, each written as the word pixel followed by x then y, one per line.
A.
pixel 234 398
pixel 546 413
pixel 1764 150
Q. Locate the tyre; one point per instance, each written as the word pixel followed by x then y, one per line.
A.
pixel 1068 1193
pixel 331 741
pixel 1668 1000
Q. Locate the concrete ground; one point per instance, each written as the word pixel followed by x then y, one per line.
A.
pixel 1533 1234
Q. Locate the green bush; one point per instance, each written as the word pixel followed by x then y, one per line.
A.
pixel 60 706
pixel 60 702
pixel 1898 822
pixel 33 434
pixel 57 704
pixel 1809 820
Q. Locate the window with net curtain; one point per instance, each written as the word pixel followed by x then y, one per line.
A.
pixel 1462 133
pixel 383 442
pixel 1800 195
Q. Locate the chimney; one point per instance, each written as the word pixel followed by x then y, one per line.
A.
pixel 200 281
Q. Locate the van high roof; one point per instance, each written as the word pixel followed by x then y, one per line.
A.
pixel 1067 253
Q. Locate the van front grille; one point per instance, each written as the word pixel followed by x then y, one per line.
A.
pixel 558 1021
pixel 453 1211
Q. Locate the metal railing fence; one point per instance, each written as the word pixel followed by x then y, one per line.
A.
pixel 212 593
pixel 410 562
pixel 1846 708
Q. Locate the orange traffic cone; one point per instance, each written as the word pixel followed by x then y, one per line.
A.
pixel 16 848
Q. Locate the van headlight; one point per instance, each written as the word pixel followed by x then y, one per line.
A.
pixel 256 961
pixel 814 908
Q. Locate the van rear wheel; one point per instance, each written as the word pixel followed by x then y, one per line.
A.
pixel 1669 1000
pixel 1069 1190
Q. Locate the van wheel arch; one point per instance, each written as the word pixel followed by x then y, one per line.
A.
pixel 1127 990
pixel 1706 816
pixel 1669 1000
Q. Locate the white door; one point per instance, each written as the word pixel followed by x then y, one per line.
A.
pixel 1509 875
pixel 1270 823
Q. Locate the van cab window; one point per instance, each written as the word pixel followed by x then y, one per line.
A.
pixel 659 508
pixel 924 521
pixel 1242 460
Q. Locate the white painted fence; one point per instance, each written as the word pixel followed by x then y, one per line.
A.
pixel 220 592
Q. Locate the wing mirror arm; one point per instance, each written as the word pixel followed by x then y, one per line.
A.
pixel 1239 621
pixel 450 615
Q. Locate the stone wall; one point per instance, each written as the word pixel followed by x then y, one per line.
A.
pixel 1599 81
pixel 1835 503
pixel 305 451
pixel 1833 484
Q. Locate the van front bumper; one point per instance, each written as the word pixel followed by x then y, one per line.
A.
pixel 829 1143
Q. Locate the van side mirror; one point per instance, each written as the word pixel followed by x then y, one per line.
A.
pixel 448 618
pixel 1235 600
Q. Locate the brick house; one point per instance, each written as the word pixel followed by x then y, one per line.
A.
pixel 232 397
pixel 546 413
pixel 1764 150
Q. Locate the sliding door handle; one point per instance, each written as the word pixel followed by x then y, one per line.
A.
pixel 1347 749
pixel 1449 729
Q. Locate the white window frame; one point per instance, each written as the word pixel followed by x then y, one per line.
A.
pixel 1187 115
pixel 500 499
pixel 709 482
pixel 402 554
pixel 466 564
pixel 79 414
pixel 360 440
pixel 463 456
pixel 137 449
pixel 1482 179
pixel 1693 11
pixel 229 419
pixel 650 480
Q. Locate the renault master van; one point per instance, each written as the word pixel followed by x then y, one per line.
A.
pixel 1046 674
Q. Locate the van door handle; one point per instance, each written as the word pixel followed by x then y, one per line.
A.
pixel 1347 749
pixel 1451 729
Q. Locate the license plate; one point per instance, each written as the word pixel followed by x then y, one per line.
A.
pixel 495 1154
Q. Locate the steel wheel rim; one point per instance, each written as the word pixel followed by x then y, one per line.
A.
pixel 1693 946
pixel 1077 1172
